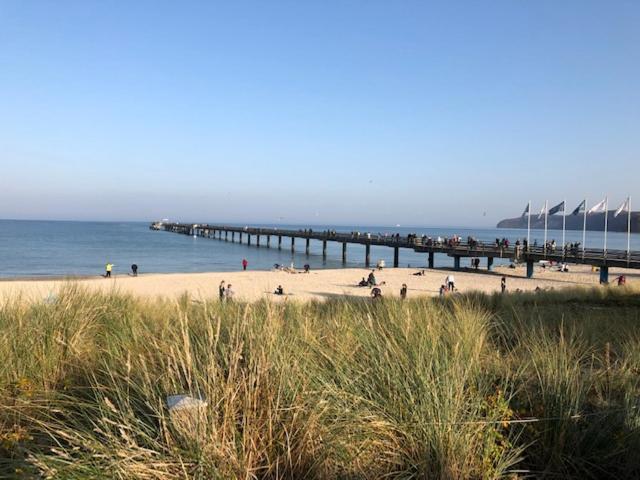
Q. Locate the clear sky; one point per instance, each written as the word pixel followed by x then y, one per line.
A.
pixel 418 113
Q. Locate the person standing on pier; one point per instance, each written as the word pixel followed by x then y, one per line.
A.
pixel 245 264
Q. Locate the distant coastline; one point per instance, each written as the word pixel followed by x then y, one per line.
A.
pixel 595 222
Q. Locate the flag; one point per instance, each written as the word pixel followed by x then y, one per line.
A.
pixel 622 208
pixel 543 211
pixel 526 210
pixel 598 207
pixel 579 208
pixel 557 208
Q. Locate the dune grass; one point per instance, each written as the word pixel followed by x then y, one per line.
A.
pixel 516 386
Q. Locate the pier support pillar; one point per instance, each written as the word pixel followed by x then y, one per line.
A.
pixel 396 256
pixel 490 263
pixel 306 248
pixel 248 239
pixel 367 255
pixel 430 261
pixel 604 275
pixel 268 241
pixel 257 240
pixel 240 241
pixel 226 235
pixel 293 244
pixel 219 234
pixel 529 268
pixel 344 252
pixel 279 242
pixel 456 262
pixel 324 250
pixel 233 237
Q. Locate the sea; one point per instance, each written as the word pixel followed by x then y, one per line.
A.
pixel 37 249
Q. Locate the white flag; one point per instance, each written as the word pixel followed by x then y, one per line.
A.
pixel 543 211
pixel 622 208
pixel 598 207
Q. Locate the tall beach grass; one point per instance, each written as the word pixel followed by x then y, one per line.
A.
pixel 476 386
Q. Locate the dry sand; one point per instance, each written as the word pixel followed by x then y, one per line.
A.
pixel 318 284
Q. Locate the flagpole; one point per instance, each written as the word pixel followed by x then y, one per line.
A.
pixel 606 215
pixel 564 223
pixel 546 210
pixel 584 228
pixel 529 225
pixel 628 228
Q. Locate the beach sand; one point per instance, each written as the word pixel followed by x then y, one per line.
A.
pixel 318 284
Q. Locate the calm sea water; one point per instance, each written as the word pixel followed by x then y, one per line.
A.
pixel 46 248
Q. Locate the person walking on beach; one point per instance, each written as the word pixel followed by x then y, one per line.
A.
pixel 107 270
pixel 229 293
pixel 245 264
pixel 403 291
pixel 221 290
pixel 503 284
pixel 134 270
pixel 450 282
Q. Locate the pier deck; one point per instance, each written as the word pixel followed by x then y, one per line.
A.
pixel 457 250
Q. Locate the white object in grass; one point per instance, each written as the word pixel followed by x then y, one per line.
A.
pixel 183 402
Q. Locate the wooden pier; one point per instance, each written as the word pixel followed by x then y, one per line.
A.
pixel 259 236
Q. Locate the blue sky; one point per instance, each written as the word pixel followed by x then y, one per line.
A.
pixel 418 113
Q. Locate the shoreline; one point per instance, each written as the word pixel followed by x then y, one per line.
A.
pixel 321 284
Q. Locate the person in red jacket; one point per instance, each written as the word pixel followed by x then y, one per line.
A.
pixel 244 264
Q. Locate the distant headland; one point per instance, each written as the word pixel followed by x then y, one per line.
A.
pixel 595 222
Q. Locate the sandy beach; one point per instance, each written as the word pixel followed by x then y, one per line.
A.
pixel 318 284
